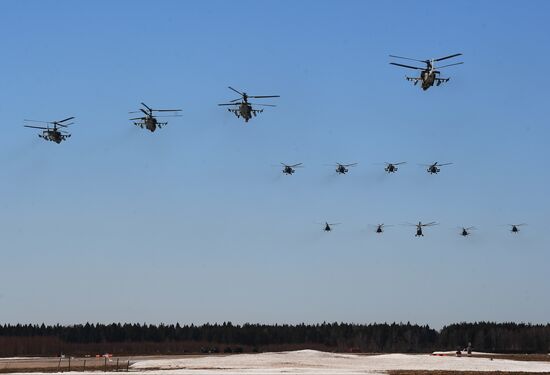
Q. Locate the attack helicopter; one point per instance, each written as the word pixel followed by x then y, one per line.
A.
pixel 466 231
pixel 243 108
pixel 434 168
pixel 328 226
pixel 290 169
pixel 419 227
pixel 343 168
pixel 380 228
pixel 515 227
pixel 149 121
pixel 392 167
pixel 429 74
pixel 53 134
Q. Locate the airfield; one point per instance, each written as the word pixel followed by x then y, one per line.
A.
pixel 295 362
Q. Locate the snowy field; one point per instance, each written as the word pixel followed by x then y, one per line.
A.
pixel 322 363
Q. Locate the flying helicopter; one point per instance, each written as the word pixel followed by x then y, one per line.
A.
pixel 434 168
pixel 380 228
pixel 392 167
pixel 429 74
pixel 290 169
pixel 328 226
pixel 419 227
pixel 53 134
pixel 243 108
pixel 466 231
pixel 515 227
pixel 149 120
pixel 343 168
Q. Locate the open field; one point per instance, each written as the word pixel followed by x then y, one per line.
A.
pixel 297 362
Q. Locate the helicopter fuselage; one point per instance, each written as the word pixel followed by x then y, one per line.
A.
pixel 341 169
pixel 419 232
pixel 288 170
pixel 52 135
pixel 433 170
pixel 391 168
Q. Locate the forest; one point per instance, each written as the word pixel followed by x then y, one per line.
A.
pixel 133 339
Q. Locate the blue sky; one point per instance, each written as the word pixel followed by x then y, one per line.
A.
pixel 195 223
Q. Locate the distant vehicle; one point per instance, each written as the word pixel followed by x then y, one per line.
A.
pixel 392 167
pixel 380 228
pixel 434 168
pixel 149 120
pixel 328 226
pixel 243 108
pixel 343 168
pixel 466 231
pixel 429 74
pixel 290 169
pixel 53 134
pixel 419 226
pixel 515 227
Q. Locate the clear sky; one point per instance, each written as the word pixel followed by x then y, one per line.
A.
pixel 195 223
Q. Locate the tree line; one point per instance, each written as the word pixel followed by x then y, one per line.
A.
pixel 80 339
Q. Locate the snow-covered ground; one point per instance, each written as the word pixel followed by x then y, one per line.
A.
pixel 321 363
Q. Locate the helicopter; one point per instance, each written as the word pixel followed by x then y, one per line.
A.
pixel 328 226
pixel 434 168
pixel 53 134
pixel 290 169
pixel 419 227
pixel 466 231
pixel 244 108
pixel 429 74
pixel 392 167
pixel 515 228
pixel 380 228
pixel 343 168
pixel 149 121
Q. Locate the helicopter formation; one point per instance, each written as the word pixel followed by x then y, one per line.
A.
pixel 344 168
pixel 419 228
pixel 241 107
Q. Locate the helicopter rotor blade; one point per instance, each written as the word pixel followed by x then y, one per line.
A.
pixel 408 58
pixel 406 66
pixel 146 106
pixel 228 104
pixel 447 57
pixel 263 105
pixel 67 119
pixel 264 96
pixel 440 165
pixel 445 66
pixel 167 110
pixel 296 165
pixel 237 91
pixel 35 127
pixel 401 162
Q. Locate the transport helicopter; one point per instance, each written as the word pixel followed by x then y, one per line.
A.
pixel 343 168
pixel 328 226
pixel 420 225
pixel 515 227
pixel 466 231
pixel 53 134
pixel 392 167
pixel 149 120
pixel 243 108
pixel 429 74
pixel 434 168
pixel 290 169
